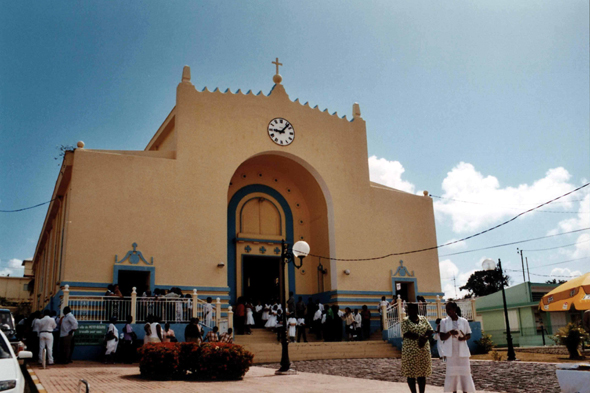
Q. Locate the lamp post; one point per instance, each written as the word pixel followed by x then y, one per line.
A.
pixel 299 250
pixel 489 264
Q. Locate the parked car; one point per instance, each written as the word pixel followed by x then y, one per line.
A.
pixel 9 329
pixel 11 376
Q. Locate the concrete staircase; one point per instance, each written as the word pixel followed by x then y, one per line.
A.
pixel 263 343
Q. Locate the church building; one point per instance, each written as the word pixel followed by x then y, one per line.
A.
pixel 205 206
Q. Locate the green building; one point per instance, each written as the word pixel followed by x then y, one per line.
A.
pixel 528 324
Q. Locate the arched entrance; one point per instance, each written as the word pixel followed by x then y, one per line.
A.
pixel 272 198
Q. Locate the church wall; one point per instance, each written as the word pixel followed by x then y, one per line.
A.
pixel 396 222
pixel 117 200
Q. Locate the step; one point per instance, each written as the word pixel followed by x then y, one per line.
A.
pixel 271 352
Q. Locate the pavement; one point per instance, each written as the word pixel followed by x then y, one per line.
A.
pixel 126 379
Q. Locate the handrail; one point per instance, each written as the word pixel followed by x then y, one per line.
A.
pixel 83 382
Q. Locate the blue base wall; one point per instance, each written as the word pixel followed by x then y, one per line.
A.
pixel 475 336
pixel 95 352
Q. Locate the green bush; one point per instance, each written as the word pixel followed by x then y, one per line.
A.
pixel 210 361
pixel 485 345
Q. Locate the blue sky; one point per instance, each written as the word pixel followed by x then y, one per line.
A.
pixel 478 101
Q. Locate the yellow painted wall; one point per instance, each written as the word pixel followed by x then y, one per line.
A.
pixel 14 289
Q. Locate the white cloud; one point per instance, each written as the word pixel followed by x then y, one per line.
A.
pixel 490 202
pixel 389 173
pixel 12 267
pixel 561 272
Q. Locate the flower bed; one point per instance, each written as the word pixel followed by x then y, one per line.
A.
pixel 210 361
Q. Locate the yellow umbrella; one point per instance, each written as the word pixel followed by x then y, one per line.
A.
pixel 575 292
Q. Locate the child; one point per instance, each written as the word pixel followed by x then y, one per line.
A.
pixel 301 330
pixel 292 324
pixel 272 318
pixel 249 317
pixel 208 311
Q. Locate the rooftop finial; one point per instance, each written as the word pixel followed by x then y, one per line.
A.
pixel 277 78
pixel 186 74
pixel 356 110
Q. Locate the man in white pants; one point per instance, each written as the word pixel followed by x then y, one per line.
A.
pixel 46 326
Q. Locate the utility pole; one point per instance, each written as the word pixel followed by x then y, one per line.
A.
pixel 522 261
pixel 527 269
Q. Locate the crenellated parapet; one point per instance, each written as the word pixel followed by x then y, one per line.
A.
pixel 277 90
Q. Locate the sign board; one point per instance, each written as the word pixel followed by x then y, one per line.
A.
pixel 398 286
pixel 90 334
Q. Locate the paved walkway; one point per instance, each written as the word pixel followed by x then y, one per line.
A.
pixel 126 379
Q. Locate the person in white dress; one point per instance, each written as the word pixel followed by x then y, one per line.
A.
pixel 439 342
pixel 265 312
pixel 112 341
pixel 272 318
pixel 455 332
pixel 208 311
pixel 249 317
pixel 46 326
pixel 292 324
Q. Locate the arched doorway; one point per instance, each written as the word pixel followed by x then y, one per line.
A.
pixel 270 198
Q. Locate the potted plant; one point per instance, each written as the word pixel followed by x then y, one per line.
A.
pixel 572 337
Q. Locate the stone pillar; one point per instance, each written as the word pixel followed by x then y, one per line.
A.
pixel 400 308
pixel 65 299
pixel 195 303
pixel 438 307
pixel 134 305
pixel 230 318
pixel 473 311
pixel 217 311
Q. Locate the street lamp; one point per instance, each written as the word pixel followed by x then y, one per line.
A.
pixel 489 264
pixel 299 250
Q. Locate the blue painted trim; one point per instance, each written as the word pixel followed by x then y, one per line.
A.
pixel 429 293
pixel 207 289
pixel 394 279
pixel 231 232
pixel 85 284
pixel 376 293
pixel 358 299
pixel 150 269
pixel 245 239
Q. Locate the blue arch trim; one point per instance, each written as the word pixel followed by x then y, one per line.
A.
pixel 231 232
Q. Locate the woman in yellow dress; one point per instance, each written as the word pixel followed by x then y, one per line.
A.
pixel 416 363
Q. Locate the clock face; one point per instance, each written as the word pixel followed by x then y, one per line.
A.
pixel 281 131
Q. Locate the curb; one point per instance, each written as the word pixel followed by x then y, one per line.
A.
pixel 40 388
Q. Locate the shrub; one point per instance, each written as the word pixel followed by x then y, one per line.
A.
pixel 572 337
pixel 485 345
pixel 220 361
pixel 496 356
pixel 210 361
pixel 160 361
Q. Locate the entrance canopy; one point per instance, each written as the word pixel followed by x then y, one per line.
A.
pixel 575 292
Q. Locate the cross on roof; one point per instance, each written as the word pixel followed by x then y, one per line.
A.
pixel 276 62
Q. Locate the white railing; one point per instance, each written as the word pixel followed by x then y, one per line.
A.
pixel 167 309
pixel 99 308
pixel 393 321
pixel 430 310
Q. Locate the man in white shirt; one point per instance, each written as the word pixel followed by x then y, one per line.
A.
pixel 358 322
pixel 382 303
pixel 69 325
pixel 46 326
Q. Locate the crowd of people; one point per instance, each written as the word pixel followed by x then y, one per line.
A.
pixel 329 323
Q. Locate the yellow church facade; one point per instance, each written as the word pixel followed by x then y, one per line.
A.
pixel 205 205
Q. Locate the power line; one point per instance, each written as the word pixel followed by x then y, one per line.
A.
pixel 491 204
pixel 513 243
pixel 543 275
pixel 559 263
pixel 27 208
pixel 455 241
pixel 554 248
